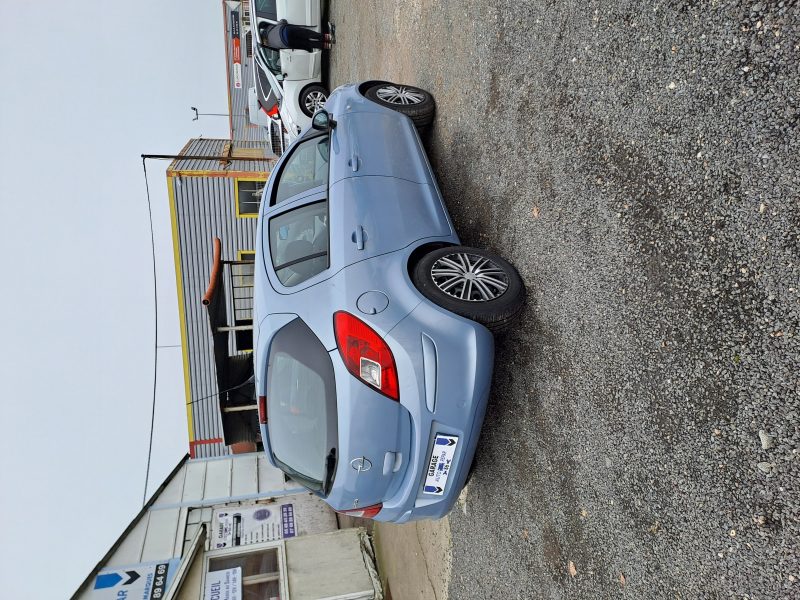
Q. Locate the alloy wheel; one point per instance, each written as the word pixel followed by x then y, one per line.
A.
pixel 469 277
pixel 315 101
pixel 400 94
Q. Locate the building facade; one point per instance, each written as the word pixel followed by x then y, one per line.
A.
pixel 233 528
pixel 214 195
pixel 238 61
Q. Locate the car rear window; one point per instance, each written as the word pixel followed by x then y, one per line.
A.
pixel 301 406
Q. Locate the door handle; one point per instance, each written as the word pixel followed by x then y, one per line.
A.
pixel 358 237
pixel 353 162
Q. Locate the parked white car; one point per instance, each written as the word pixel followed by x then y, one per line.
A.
pixel 295 76
pixel 263 111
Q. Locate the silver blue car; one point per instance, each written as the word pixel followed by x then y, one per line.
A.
pixel 374 348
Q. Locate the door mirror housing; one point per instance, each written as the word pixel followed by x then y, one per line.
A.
pixel 322 120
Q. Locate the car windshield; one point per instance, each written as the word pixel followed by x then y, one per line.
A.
pixel 298 243
pixel 301 407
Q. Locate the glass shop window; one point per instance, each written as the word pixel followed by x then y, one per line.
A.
pixel 248 197
pixel 261 578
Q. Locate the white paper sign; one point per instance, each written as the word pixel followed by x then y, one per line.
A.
pixel 224 585
pixel 244 525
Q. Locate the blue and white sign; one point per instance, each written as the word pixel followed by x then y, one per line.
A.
pixel 444 449
pixel 244 525
pixel 148 581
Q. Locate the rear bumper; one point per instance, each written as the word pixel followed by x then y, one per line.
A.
pixel 442 355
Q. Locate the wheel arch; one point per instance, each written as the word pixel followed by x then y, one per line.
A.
pixel 497 313
pixel 420 251
pixel 365 85
pixel 305 88
pixel 301 95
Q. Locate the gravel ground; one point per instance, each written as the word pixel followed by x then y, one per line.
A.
pixel 640 163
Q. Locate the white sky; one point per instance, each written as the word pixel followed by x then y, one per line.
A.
pixel 85 88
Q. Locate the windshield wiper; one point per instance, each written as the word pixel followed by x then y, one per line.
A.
pixel 330 470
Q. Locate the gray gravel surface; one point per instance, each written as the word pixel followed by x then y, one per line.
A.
pixel 640 163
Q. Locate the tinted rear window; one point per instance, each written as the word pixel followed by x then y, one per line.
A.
pixel 301 404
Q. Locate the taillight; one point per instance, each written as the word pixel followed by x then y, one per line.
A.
pixel 271 112
pixel 262 410
pixel 365 354
pixel 368 512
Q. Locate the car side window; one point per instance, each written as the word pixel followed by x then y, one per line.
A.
pixel 298 243
pixel 272 60
pixel 305 169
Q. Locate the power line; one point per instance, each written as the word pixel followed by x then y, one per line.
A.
pixel 219 393
pixel 155 333
pixel 155 302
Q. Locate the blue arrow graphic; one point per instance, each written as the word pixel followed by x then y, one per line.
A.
pixel 107 580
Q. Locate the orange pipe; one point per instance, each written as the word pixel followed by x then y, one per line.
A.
pixel 216 269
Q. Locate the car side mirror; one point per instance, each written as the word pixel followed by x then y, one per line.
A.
pixel 322 120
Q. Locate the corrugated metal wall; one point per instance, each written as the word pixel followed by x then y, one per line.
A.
pixel 215 147
pixel 205 208
pixel 242 128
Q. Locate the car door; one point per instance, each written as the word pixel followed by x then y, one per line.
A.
pixel 377 215
pixel 381 183
pixel 296 222
pixel 379 142
pixel 290 65
pixel 367 216
pixel 268 70
pixel 301 65
pixel 300 12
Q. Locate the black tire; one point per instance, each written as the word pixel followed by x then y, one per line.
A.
pixel 310 97
pixel 413 102
pixel 497 312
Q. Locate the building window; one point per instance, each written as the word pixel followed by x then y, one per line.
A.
pixel 248 196
pixel 261 577
pixel 242 274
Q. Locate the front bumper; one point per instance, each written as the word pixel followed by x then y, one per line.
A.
pixel 448 357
